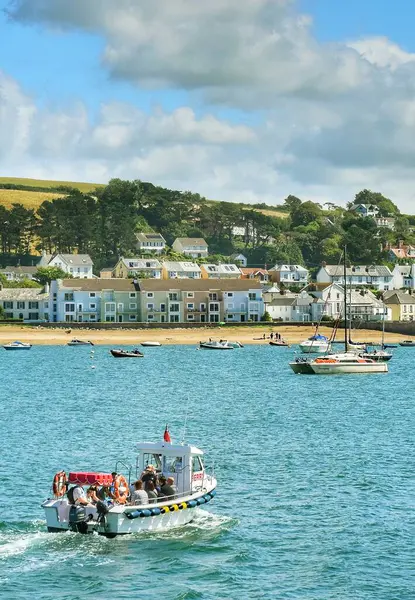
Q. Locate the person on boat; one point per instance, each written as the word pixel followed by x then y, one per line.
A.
pixel 139 495
pixel 104 495
pixel 76 495
pixel 91 494
pixel 151 492
pixel 168 488
pixel 149 474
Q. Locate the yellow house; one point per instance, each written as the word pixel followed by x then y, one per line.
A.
pixel 402 305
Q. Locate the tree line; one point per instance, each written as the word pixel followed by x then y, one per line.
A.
pixel 104 223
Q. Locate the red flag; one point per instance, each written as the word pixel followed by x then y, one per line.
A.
pixel 166 436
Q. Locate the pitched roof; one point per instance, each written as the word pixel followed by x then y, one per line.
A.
pixel 372 270
pixel 185 266
pixel 191 241
pixel 23 294
pixel 398 297
pixel 199 285
pixel 77 260
pixel 141 263
pixel 150 237
pixel 19 269
pixel 221 269
pixel 98 284
pixel 281 267
pixel 253 271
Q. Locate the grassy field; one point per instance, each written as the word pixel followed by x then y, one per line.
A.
pixel 28 199
pixel 35 199
pixel 84 187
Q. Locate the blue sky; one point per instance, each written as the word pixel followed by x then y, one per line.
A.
pixel 230 121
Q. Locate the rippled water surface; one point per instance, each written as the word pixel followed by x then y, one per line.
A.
pixel 315 475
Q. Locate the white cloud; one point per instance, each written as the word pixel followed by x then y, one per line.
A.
pixel 329 119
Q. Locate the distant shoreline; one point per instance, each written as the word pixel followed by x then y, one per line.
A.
pixel 247 335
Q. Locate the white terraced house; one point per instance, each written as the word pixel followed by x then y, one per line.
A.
pixel 181 270
pixel 77 265
pixel 150 243
pixel 362 305
pixel 375 276
pixel 29 304
pixel 18 273
pixel 289 274
pixel 403 277
pixel 194 247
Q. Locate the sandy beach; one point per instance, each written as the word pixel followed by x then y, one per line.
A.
pixel 245 335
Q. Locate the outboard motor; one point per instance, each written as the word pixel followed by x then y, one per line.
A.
pixel 102 510
pixel 78 520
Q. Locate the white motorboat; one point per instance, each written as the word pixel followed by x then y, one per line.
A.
pixel 183 462
pixel 150 344
pixel 17 346
pixel 215 345
pixel 76 342
pixel 316 344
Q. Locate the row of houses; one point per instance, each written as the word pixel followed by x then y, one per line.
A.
pixel 196 300
pixel 128 301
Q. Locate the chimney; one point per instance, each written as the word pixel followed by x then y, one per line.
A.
pixel 47 289
pixel 400 244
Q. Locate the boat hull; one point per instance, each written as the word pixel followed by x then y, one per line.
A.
pixel 315 348
pixel 207 347
pixel 353 367
pixel 117 522
pixel 301 368
pixel 120 354
pixel 17 347
pixel 150 344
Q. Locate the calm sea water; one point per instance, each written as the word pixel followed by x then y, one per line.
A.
pixel 316 488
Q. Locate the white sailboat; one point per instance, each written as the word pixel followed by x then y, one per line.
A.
pixel 346 362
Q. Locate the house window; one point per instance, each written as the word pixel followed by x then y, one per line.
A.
pixel 190 317
pixel 21 305
pixel 134 295
pixel 190 306
pixel 132 317
pixel 120 307
pixel 92 306
pixel 34 316
pixel 252 297
pixel 162 308
pixel 33 305
pixel 214 318
pixel 69 307
pixel 69 318
pixel 190 294
pixel 242 306
pixel 230 294
pixel 230 317
pixel 150 306
pixel 133 306
pixel 173 296
pixel 230 305
pixel 92 294
pixel 150 317
pixel 110 307
pixel 8 304
pixel 213 307
pixel 174 308
pixel 150 295
pixel 202 307
pixel 110 318
pixel 174 318
pixel 8 315
pixel 68 298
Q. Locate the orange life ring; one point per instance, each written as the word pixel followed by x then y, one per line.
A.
pixel 121 496
pixel 59 484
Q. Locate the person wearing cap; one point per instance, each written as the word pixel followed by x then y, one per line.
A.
pixel 149 474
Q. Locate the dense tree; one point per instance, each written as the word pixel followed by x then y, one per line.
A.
pixel 45 275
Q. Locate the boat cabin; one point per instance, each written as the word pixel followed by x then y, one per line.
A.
pixel 181 461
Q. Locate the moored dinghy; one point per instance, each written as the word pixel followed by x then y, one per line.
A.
pixel 150 344
pixel 76 342
pixel 182 462
pixel 126 353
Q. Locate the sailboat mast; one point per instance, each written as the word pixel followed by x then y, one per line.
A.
pixel 345 297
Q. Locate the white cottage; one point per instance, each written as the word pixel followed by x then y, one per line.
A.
pixel 29 304
pixel 181 270
pixel 194 247
pixel 289 274
pixel 77 265
pixel 375 276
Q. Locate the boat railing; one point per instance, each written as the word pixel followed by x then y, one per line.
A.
pixel 127 467
pixel 177 496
